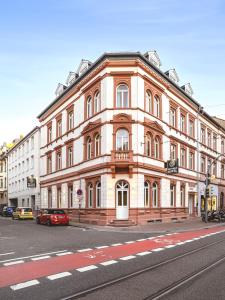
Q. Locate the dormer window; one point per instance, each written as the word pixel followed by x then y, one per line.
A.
pixel 122 94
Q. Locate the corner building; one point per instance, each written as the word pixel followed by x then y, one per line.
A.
pixel 109 132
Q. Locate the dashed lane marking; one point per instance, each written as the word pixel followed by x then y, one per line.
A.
pixel 40 258
pixel 127 257
pixel 14 263
pixel 141 240
pixel 101 247
pixel 143 253
pixel 170 246
pixel 8 253
pixel 158 249
pixel 108 263
pixel 64 253
pixel 24 285
pixel 88 268
pixel 84 250
pixel 118 244
pixel 130 242
pixel 36 255
pixel 59 275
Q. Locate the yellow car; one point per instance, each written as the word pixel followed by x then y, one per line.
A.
pixel 23 213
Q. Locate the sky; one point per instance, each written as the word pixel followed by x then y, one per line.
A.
pixel 42 40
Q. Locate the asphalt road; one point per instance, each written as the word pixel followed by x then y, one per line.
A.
pixel 24 240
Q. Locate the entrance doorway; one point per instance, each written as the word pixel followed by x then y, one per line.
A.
pixel 122 199
pixel 191 200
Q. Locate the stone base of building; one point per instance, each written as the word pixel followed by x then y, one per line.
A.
pixel 137 216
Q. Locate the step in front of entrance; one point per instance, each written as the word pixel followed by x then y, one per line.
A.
pixel 122 223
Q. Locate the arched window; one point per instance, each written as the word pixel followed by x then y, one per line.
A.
pixel 97 145
pixel 156 106
pixel 148 101
pixel 157 147
pixel 182 196
pixel 122 140
pixel 90 195
pixel 97 102
pixel 88 148
pixel 98 194
pixel 89 107
pixel 122 93
pixel 148 145
pixel 155 195
pixel 146 194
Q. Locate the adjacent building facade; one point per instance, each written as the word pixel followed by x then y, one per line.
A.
pixel 24 170
pixel 3 175
pixel 108 134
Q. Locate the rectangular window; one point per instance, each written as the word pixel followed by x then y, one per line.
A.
pixel 70 120
pixel 222 171
pixel 203 164
pixel 182 123
pixel 70 196
pixel 202 135
pixel 59 128
pixel 49 164
pixel 173 151
pixel 58 160
pixel 191 128
pixel 183 157
pixel 173 117
pixel 70 156
pixel 191 161
pixel 49 133
pixel 209 139
pixel 214 142
pixel 172 195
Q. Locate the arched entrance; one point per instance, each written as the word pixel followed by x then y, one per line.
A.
pixel 122 199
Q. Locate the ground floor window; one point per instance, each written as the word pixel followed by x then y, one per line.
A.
pixel 98 194
pixel 172 195
pixel 146 194
pixel 90 195
pixel 155 194
pixel 182 196
pixel 70 196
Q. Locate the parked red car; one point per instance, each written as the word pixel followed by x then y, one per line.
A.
pixel 52 217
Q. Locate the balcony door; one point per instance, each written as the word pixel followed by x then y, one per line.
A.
pixel 122 200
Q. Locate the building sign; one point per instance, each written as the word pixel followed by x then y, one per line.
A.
pixel 31 182
pixel 172 166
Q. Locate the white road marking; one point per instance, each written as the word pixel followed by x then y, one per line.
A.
pixel 118 244
pixel 141 240
pixel 188 241
pixel 64 253
pixel 180 243
pixel 195 239
pixel 101 247
pixel 157 249
pixel 9 253
pixel 84 250
pixel 127 257
pixel 170 246
pixel 24 285
pixel 152 237
pixel 109 262
pixel 41 257
pixel 14 263
pixel 143 253
pixel 160 235
pixel 88 268
pixel 36 255
pixel 130 242
pixel 59 275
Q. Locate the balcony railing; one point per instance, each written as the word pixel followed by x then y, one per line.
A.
pixel 122 156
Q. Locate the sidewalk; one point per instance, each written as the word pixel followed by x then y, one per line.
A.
pixel 178 226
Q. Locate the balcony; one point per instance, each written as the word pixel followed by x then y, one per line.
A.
pixel 119 156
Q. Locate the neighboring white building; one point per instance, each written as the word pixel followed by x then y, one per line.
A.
pixel 23 163
pixel 109 133
pixel 3 176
